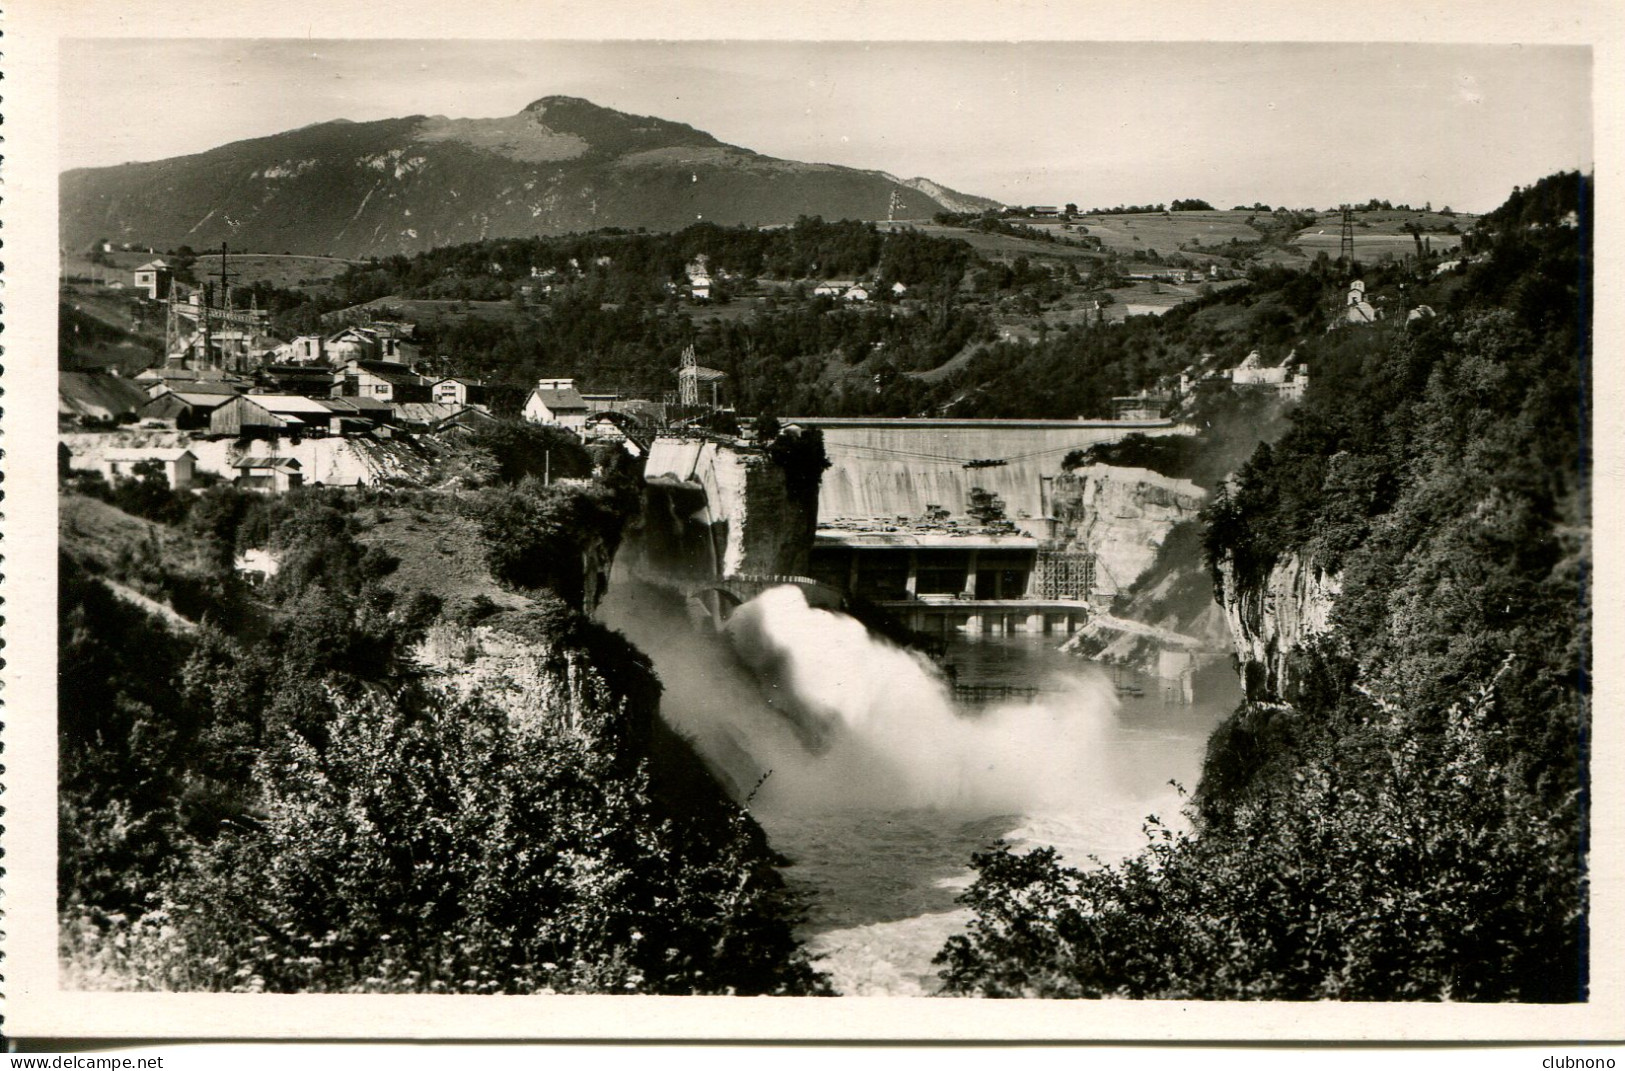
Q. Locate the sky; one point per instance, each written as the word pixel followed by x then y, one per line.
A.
pixel 1093 123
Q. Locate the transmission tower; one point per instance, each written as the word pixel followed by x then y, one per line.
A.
pixel 688 380
pixel 1345 251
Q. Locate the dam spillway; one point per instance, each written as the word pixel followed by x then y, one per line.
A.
pixel 885 468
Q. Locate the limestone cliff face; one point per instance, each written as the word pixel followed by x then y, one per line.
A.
pixel 542 683
pixel 1122 516
pixel 1272 617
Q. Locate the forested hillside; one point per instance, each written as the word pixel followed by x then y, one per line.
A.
pixel 968 335
pixel 1399 809
pixel 292 787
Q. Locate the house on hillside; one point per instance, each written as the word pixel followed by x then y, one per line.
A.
pixel 556 402
pixel 179 463
pixel 833 287
pixel 306 349
pixel 456 390
pixel 855 293
pixel 154 277
pixel 381 381
pixel 898 289
pixel 269 475
pixel 1357 309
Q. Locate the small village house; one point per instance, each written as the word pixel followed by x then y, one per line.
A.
pixel 306 349
pixel 268 475
pixel 455 390
pixel 380 381
pixel 154 277
pixel 556 402
pixel 379 341
pixel 179 463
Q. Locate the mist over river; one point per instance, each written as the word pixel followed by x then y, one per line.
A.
pixel 878 785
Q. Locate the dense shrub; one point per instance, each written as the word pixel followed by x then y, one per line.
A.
pixel 439 847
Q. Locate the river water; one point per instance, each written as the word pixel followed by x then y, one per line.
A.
pixel 878 785
pixel 881 883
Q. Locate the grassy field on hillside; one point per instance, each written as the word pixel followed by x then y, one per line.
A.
pixel 1166 233
pixel 1005 247
pixel 1370 246
pixel 288 271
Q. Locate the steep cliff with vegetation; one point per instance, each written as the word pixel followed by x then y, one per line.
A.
pixel 335 782
pixel 1399 809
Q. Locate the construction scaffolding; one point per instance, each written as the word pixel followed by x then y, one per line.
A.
pixel 1064 575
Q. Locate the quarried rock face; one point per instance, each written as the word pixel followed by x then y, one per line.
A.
pixel 1121 516
pixel 1270 619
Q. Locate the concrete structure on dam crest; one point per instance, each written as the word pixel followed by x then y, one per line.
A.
pixel 894 520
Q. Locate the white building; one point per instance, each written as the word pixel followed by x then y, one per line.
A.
pixel 557 402
pixel 1359 310
pixel 180 464
pixel 153 277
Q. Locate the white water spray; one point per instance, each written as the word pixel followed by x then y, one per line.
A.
pixel 893 736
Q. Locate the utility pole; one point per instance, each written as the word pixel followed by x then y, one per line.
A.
pixel 1345 251
pixel 225 279
pixel 225 275
pixel 688 379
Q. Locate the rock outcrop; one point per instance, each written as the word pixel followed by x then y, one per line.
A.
pixel 1121 516
pixel 1271 617
pixel 540 680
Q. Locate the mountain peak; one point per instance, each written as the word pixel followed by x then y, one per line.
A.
pixel 560 164
pixel 609 131
pixel 541 104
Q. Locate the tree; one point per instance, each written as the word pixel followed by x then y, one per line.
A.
pixel 438 846
pixel 543 451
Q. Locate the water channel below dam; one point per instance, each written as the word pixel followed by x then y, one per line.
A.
pixel 880 784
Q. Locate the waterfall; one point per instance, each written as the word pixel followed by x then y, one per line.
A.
pixel 836 718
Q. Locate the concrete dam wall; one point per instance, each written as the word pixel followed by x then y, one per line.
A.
pixel 718 509
pixel 889 468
